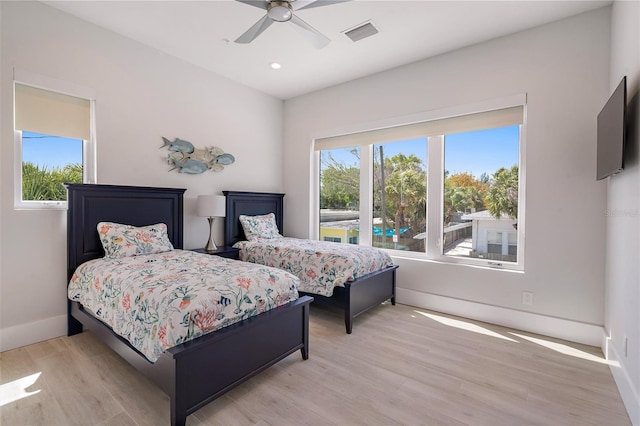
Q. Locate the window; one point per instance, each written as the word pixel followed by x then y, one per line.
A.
pixel 400 194
pixel 480 205
pixel 339 195
pixel 48 161
pixel 54 140
pixel 333 239
pixel 461 203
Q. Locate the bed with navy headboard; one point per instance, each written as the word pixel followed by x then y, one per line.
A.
pixel 189 373
pixel 354 298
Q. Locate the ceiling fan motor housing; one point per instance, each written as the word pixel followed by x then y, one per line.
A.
pixel 283 11
pixel 279 11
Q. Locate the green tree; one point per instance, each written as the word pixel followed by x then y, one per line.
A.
pixel 462 191
pixel 339 184
pixel 502 197
pixel 40 184
pixel 405 192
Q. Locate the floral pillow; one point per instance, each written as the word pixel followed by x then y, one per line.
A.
pixel 263 226
pixel 125 240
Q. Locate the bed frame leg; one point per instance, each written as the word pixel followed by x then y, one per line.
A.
pixel 393 288
pixel 305 349
pixel 348 322
pixel 348 318
pixel 73 325
pixel 178 417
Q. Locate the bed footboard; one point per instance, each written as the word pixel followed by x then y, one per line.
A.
pixel 191 373
pixel 362 294
pixel 235 354
pixel 368 292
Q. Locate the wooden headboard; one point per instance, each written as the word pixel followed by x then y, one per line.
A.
pixel 130 205
pixel 251 204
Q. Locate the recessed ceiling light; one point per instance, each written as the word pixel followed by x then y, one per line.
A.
pixel 275 65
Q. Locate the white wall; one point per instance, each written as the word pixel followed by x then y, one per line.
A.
pixel 564 69
pixel 142 95
pixel 622 302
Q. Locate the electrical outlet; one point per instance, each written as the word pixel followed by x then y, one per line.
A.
pixel 624 346
pixel 527 298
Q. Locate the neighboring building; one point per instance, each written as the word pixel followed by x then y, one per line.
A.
pixel 339 226
pixel 344 227
pixel 344 231
pixel 493 238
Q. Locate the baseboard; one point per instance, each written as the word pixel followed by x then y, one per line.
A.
pixel 625 386
pixel 573 331
pixel 33 332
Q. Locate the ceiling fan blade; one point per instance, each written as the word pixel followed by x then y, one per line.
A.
pixel 255 30
pixel 260 4
pixel 315 37
pixel 308 4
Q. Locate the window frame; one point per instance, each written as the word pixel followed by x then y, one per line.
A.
pixel 333 239
pixel 89 169
pixel 435 183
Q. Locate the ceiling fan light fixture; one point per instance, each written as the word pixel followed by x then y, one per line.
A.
pixel 280 11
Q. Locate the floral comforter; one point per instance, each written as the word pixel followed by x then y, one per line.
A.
pixel 320 265
pixel 157 301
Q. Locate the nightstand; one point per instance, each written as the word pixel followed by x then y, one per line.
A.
pixel 224 251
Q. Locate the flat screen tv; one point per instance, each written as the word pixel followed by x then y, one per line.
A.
pixel 611 133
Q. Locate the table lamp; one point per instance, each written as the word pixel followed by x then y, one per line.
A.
pixel 211 206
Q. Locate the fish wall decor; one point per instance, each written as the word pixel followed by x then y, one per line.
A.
pixel 185 158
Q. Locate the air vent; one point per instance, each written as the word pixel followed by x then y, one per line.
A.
pixel 361 31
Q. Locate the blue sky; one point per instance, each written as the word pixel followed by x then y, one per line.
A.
pixel 50 151
pixel 482 151
pixel 471 152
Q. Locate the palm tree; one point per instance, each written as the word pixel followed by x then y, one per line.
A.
pixel 40 184
pixel 404 192
pixel 502 197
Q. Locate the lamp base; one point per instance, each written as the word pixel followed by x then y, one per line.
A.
pixel 211 245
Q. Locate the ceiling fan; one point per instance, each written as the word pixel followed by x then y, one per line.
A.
pixel 283 11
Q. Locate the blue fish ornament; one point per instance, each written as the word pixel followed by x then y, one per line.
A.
pixel 186 159
pixel 192 167
pixel 178 145
pixel 225 159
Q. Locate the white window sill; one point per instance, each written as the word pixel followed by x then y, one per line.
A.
pixel 41 205
pixel 444 260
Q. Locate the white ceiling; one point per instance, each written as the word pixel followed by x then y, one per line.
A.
pixel 203 33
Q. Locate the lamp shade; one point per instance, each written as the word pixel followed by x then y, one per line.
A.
pixel 212 205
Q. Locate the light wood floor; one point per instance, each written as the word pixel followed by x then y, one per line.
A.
pixel 401 365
